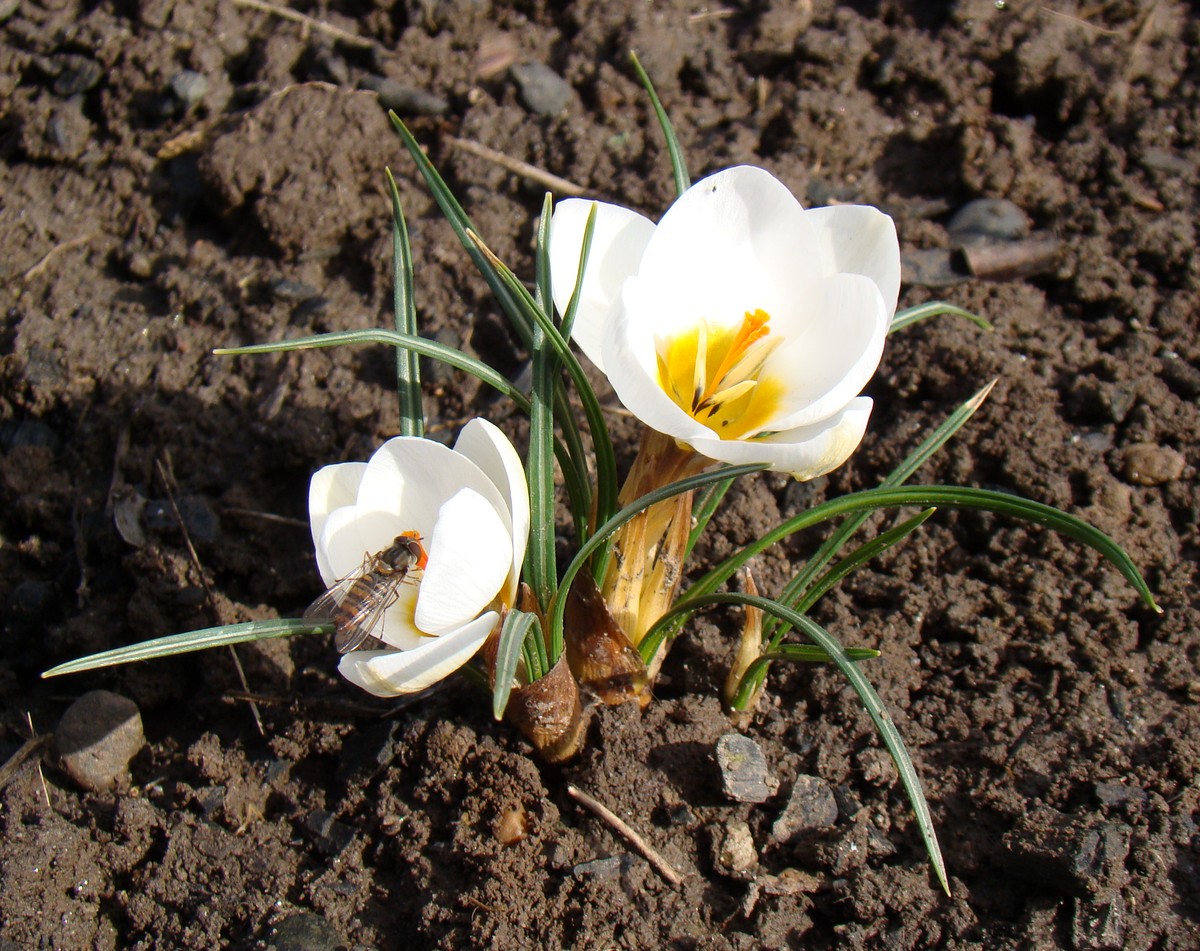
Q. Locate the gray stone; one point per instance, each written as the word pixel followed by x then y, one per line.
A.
pixel 330 835
pixel 189 87
pixel 987 219
pixel 1119 794
pixel 406 100
pixel 811 807
pixel 604 868
pixel 97 737
pixel 744 773
pixel 541 90
pixel 305 932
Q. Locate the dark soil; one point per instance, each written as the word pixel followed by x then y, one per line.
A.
pixel 178 176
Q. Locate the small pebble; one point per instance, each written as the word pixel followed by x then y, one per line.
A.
pixel 189 87
pixel 932 267
pixel 1148 464
pixel 332 836
pixel 294 291
pixel 512 826
pixel 77 75
pixel 744 773
pixel 988 219
pixel 541 90
pixel 406 100
pixel 305 931
pixel 811 806
pixel 734 853
pixel 97 737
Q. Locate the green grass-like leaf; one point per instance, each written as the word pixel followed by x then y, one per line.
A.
pixel 513 633
pixel 937 308
pixel 224 636
pixel 938 496
pixel 540 571
pixel 408 364
pixel 678 165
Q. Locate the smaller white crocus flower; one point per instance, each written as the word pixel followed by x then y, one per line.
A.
pixel 468 506
pixel 742 325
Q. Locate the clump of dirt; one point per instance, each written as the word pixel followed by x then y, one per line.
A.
pixel 183 176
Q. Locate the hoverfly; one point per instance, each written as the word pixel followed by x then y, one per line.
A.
pixel 356 603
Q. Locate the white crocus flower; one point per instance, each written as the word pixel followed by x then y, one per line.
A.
pixel 742 325
pixel 469 506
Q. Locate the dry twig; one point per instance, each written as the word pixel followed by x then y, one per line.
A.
pixel 309 23
pixel 661 865
pixel 540 176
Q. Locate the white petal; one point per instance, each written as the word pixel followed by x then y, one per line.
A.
pixel 413 478
pixel 806 452
pixel 733 242
pixel 331 488
pixel 347 539
pixel 470 556
pixel 489 448
pixel 832 345
pixel 391 673
pixel 398 629
pixel 619 237
pixel 862 240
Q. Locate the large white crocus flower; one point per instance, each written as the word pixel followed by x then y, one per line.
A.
pixel 742 325
pixel 470 507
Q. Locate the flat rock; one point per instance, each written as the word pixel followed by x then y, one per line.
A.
pixel 744 773
pixel 97 737
pixel 1066 854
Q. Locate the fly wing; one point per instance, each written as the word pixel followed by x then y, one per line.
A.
pixel 325 607
pixel 366 622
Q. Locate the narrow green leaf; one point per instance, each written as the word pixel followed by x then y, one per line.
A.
pixel 539 555
pixel 938 496
pixel 870 700
pixel 605 531
pixel 516 626
pixel 702 512
pixel 589 232
pixel 937 308
pixel 223 636
pixel 462 226
pixel 408 364
pixel 861 556
pixel 678 165
pixel 811 654
pixel 428 348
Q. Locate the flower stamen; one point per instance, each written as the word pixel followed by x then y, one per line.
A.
pixel 720 371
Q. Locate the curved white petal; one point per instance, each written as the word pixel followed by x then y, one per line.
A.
pixel 348 539
pixel 470 556
pixel 331 488
pixel 831 348
pixel 733 242
pixel 862 240
pixel 618 240
pixel 489 448
pixel 398 629
pixel 806 452
pixel 414 477
pixel 391 673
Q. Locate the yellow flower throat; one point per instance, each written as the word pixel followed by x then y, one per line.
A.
pixel 714 374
